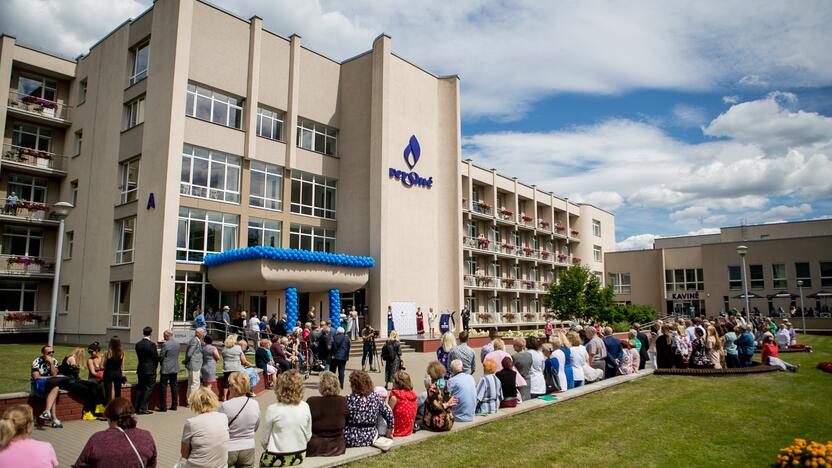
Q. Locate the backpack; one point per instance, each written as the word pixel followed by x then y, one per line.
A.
pixel 387 353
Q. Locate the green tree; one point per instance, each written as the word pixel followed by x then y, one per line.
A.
pixel 578 295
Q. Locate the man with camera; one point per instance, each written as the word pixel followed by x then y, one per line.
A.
pixel 368 338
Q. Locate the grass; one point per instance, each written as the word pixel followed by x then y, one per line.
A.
pixel 18 359
pixel 653 421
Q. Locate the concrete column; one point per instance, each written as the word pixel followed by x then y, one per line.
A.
pixel 250 120
pixel 6 58
pixel 291 131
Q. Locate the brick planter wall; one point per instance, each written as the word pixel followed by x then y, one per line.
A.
pixel 70 407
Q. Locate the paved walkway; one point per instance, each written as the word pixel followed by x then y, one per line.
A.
pixel 167 427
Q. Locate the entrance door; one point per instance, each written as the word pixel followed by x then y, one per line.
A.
pixel 303 307
pixel 257 305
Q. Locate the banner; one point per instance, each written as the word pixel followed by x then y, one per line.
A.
pixel 404 317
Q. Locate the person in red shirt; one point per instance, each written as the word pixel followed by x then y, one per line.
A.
pixel 770 352
pixel 403 401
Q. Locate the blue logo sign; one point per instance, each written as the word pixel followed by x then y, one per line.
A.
pixel 411 157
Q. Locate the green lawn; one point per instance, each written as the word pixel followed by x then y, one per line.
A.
pixel 18 365
pixel 653 421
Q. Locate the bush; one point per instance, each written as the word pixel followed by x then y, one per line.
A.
pixel 802 454
pixel 623 326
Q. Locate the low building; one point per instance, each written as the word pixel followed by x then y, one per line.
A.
pixel 703 274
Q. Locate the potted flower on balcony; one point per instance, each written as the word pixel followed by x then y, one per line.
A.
pixel 484 316
pixel 484 205
pixel 484 280
pixel 39 103
pixel 561 257
pixel 509 316
pixel 559 226
pixel 526 218
pixel 545 253
pixel 529 316
pixel 574 232
pixel 506 213
pixel 544 223
pixel 507 246
pixel 529 284
pixel 508 282
pixel 528 250
pixel 576 260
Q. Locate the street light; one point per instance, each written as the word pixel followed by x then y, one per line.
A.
pixel 743 250
pixel 60 211
pixel 802 310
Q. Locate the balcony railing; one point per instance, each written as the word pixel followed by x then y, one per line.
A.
pixel 25 209
pixel 38 106
pixel 22 322
pixel 483 208
pixel 544 224
pixel 23 265
pixel 527 221
pixel 34 158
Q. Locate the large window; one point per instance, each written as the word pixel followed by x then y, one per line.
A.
pixel 18 296
pixel 778 276
pixel 125 235
pixel 313 195
pixel 757 281
pixel 597 253
pixel 620 283
pixel 596 228
pixel 141 62
pixel 802 273
pixel 270 123
pixel 263 232
pixel 266 188
pixel 210 174
pixel 690 279
pixel 207 104
pixel 29 136
pixel 134 113
pixel 825 274
pixel 734 277
pixel 188 294
pixel 121 304
pixel 129 180
pixel 43 88
pixel 28 188
pixel 22 241
pixel 202 232
pixel 311 238
pixel 317 137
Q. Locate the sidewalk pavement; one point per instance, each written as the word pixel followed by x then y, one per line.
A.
pixel 167 427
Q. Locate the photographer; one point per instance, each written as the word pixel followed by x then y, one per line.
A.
pixel 368 338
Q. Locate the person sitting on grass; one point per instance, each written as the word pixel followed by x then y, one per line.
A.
pixel 403 401
pixel 769 356
pixel 46 383
pixel 16 447
pixel 123 444
pixel 782 337
pixel 489 390
pixel 745 345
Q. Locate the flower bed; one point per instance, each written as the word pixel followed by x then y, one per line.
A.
pixel 800 453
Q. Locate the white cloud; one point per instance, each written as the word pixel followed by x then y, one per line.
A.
pixel 689 116
pixel 637 242
pixel 731 99
pixel 512 53
pixel 780 213
pixel 703 232
pixel 752 80
pixel 690 215
pixel 606 200
pixel 715 219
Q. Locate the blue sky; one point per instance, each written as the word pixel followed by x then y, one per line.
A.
pixel 679 117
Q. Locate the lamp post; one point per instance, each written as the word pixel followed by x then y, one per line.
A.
pixel 60 211
pixel 742 251
pixel 802 310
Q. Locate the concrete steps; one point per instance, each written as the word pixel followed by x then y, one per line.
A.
pixel 356 347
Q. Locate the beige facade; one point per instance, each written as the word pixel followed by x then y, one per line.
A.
pixel 705 272
pixel 188 130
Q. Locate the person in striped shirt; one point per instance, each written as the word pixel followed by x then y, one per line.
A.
pixel 489 390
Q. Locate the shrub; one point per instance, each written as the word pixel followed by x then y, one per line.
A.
pixel 802 454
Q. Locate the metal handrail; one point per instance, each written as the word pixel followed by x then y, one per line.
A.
pixel 33 157
pixel 22 264
pixel 36 105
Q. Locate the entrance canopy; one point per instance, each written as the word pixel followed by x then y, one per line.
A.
pixel 270 268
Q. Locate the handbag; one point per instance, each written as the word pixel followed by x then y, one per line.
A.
pixel 552 380
pixel 141 461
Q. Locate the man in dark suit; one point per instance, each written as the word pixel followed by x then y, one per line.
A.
pixel 340 354
pixel 146 371
pixel 169 360
pixel 280 326
pixel 615 353
pixel 643 355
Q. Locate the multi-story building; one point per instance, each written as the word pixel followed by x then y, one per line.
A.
pixel 703 274
pixel 188 131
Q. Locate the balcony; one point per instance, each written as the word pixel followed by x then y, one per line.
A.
pixel 526 221
pixel 544 224
pixel 505 216
pixel 26 212
pixel 19 265
pixel 480 281
pixel 30 158
pixel 43 110
pixel 24 322
pixel 479 243
pixel 527 252
pixel 484 209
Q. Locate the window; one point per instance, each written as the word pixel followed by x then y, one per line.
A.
pixel 82 91
pixel 202 232
pixel 65 294
pixel 496 235
pixel 22 241
pixel 266 188
pixel 596 228
pixel 43 88
pixel 30 136
pixel 207 104
pixel 28 188
pixel 596 253
pixel 317 137
pixel 121 304
pixel 494 305
pixel 270 123
pixel 125 233
pixel 263 232
pixel 210 174
pixel 620 283
pixel 79 140
pixel 313 195
pixel 778 276
pixel 141 62
pixel 129 184
pixel 470 228
pixel 734 277
pixel 825 274
pixel 690 279
pixel 471 267
pixel 70 244
pixel 73 187
pixel 802 273
pixel 311 238
pixel 134 113
pixel 495 270
pixel 756 277
pixel 18 296
pixel 515 272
